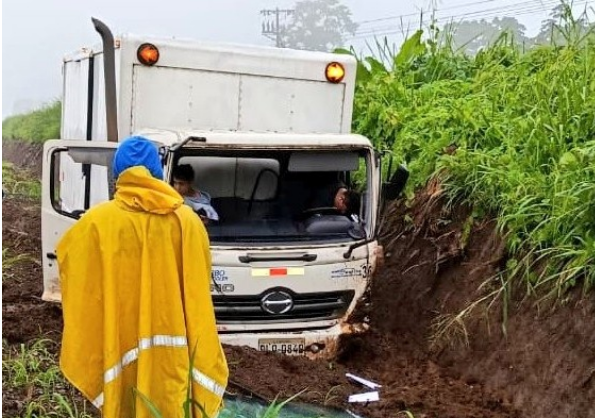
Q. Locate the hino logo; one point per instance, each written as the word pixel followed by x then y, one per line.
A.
pixel 276 302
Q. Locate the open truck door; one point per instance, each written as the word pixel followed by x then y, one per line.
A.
pixel 69 169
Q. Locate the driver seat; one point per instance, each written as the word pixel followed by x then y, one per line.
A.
pixel 263 193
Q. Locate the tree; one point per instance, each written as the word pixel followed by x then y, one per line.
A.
pixel 548 31
pixel 562 27
pixel 473 35
pixel 318 25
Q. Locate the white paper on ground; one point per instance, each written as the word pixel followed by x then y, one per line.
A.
pixel 363 381
pixel 364 397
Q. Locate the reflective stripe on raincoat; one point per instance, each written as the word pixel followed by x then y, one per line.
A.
pixel 135 281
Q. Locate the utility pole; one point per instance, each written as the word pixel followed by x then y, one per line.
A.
pixel 271 24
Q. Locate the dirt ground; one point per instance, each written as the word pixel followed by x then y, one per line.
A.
pixel 24 314
pixel 436 261
pixel 25 155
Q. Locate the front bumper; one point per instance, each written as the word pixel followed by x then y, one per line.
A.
pixel 317 344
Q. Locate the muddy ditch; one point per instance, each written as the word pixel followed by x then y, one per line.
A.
pixel 435 264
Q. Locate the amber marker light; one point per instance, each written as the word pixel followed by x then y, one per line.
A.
pixel 147 54
pixel 334 72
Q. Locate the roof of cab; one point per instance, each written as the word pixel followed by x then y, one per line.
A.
pixel 255 139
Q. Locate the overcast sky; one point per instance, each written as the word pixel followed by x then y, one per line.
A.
pixel 36 34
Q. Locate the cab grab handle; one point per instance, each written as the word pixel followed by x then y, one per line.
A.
pixel 248 258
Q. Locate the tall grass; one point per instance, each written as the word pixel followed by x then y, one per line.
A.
pixel 32 370
pixel 19 182
pixel 36 126
pixel 247 409
pixel 10 261
pixel 511 132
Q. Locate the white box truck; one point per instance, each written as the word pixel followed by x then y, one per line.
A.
pixel 267 132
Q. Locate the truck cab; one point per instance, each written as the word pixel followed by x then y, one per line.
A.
pixel 267 133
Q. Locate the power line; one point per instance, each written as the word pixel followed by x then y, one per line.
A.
pixel 363 22
pixel 507 8
pixel 541 5
pixel 497 15
pixel 520 11
pixel 526 7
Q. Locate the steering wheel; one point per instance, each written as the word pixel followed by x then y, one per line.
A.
pixel 323 210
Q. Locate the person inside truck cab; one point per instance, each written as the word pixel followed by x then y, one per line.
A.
pixel 335 199
pixel 198 200
pixel 347 202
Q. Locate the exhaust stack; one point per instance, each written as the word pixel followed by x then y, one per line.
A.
pixel 109 69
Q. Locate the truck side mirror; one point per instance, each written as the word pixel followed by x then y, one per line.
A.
pixel 393 188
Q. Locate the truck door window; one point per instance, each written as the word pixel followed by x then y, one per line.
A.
pixel 80 178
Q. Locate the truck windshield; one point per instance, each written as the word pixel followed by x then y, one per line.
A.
pixel 277 196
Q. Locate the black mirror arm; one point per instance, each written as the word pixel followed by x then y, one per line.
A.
pixel 347 254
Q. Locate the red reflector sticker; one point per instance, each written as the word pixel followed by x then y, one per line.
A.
pixel 278 272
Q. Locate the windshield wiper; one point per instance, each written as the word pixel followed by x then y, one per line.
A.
pixel 279 238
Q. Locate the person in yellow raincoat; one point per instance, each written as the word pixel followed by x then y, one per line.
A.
pixel 139 323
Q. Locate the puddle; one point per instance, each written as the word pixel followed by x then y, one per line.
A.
pixel 237 406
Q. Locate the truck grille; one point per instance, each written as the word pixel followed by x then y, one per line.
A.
pixel 232 309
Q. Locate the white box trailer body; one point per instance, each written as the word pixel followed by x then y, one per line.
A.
pixel 263 128
pixel 210 87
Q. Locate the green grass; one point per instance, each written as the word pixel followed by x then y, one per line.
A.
pixel 32 371
pixel 18 182
pixel 10 260
pixel 37 126
pixel 247 410
pixel 510 132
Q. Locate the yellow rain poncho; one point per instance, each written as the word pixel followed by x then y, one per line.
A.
pixel 135 278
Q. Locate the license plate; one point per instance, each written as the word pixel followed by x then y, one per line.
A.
pixel 292 346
